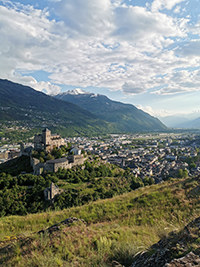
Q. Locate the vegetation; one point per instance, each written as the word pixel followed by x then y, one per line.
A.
pixel 116 228
pixel 125 117
pixel 23 193
pixel 21 105
pixel 16 166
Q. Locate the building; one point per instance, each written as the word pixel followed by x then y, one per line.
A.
pixel 47 141
pixel 75 151
pixel 51 192
pixel 55 164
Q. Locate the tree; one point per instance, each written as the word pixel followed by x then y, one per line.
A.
pixel 180 173
pixel 41 160
pixel 127 172
pixel 136 183
pixel 50 157
pixel 185 173
pixel 192 165
pixel 59 154
pixel 42 154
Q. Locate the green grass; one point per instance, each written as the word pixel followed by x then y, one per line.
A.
pixel 117 228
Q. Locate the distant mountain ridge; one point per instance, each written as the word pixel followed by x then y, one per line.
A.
pixel 181 122
pixel 190 124
pixel 29 107
pixel 126 117
pixel 83 114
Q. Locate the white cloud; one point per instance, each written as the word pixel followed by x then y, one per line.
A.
pixel 39 86
pixel 100 43
pixel 154 112
pixel 180 82
pixel 87 17
pixel 136 23
pixel 164 4
pixel 177 9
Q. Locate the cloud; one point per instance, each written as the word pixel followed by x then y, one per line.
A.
pixel 154 112
pixel 177 9
pixel 183 81
pixel 130 88
pixel 195 29
pixel 136 23
pixel 39 86
pixel 87 17
pixel 164 4
pixel 189 49
pixel 98 43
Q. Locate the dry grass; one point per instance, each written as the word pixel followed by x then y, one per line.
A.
pixel 117 228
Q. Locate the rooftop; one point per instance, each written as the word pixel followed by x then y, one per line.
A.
pixel 56 161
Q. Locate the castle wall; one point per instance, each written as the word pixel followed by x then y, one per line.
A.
pixel 38 142
pixel 78 160
pixel 4 155
pixel 62 166
pixel 54 165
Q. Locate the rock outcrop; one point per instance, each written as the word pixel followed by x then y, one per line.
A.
pixel 56 227
pixel 189 260
pixel 177 250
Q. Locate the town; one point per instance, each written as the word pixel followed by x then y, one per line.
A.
pixel 159 156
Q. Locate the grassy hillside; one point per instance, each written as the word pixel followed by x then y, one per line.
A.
pixel 126 117
pixel 30 108
pixel 116 229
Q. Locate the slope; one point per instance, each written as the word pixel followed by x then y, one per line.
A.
pixel 27 106
pixel 126 117
pixel 117 229
pixel 190 124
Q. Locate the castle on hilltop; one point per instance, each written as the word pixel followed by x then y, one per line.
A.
pixel 47 141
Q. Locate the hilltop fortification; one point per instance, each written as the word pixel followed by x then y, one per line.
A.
pixel 47 141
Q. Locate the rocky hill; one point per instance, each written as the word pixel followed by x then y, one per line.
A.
pixel 126 117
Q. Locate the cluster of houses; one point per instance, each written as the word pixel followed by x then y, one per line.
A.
pixel 159 158
pixel 9 152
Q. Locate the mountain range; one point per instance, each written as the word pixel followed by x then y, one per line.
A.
pixel 29 107
pixel 126 117
pixel 82 113
pixel 182 121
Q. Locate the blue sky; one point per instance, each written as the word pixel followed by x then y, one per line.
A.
pixel 142 52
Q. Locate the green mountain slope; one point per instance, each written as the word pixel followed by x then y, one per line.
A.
pixel 32 108
pixel 126 117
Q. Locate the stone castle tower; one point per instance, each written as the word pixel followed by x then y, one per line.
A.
pixel 47 141
pixel 46 136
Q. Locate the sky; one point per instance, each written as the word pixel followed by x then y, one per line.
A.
pixel 146 53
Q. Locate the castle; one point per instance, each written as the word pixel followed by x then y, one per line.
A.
pixel 47 141
pixel 54 165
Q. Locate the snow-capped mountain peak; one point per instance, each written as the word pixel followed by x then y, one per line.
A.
pixel 77 91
